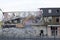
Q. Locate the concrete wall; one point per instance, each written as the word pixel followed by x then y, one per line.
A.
pixel 48 19
pixel 38 28
pixel 49 31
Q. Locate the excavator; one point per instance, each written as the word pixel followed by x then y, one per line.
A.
pixel 24 21
pixel 19 25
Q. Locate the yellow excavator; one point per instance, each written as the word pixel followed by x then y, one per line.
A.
pixel 19 25
pixel 24 21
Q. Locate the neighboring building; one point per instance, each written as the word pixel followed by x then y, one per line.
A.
pixel 51 17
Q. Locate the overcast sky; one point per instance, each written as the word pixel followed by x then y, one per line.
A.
pixel 26 5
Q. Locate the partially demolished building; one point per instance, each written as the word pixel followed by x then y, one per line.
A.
pixel 45 21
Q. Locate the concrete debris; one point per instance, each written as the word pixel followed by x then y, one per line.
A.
pixel 17 32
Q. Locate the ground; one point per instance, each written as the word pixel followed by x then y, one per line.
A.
pixel 17 32
pixel 21 34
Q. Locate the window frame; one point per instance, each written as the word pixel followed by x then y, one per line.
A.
pixel 58 19
pixel 49 11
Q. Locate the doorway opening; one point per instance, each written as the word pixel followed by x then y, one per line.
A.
pixel 53 31
pixel 41 33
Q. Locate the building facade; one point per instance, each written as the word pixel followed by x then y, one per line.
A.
pixel 51 17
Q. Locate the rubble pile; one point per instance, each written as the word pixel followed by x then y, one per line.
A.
pixel 18 32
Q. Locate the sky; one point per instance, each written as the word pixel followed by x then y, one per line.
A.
pixel 26 5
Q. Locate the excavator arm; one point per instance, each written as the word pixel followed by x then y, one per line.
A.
pixel 28 18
